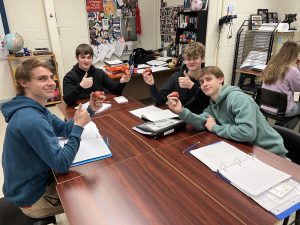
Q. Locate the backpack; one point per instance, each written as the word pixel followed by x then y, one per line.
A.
pixel 141 56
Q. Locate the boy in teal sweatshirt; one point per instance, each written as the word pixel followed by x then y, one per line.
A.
pixel 231 114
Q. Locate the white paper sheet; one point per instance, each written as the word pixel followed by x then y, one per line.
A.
pixel 104 107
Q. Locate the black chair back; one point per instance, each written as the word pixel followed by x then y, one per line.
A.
pixel 291 141
pixel 12 215
pixel 275 100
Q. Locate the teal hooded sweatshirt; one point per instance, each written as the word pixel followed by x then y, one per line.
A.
pixel 238 118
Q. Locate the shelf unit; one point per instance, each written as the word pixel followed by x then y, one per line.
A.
pixel 13 62
pixel 253 46
pixel 192 24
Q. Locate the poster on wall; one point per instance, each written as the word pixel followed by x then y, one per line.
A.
pixel 112 23
pixel 129 28
pixel 94 5
pixel 129 7
pixel 110 8
pixel 103 29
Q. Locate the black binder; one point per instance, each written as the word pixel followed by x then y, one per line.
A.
pixel 162 128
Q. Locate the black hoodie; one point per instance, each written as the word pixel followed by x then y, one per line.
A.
pixel 73 91
pixel 194 99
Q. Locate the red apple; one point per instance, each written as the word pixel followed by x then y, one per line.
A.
pixel 97 94
pixel 148 70
pixel 174 94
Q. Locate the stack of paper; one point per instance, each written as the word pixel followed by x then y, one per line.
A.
pixel 156 63
pixel 113 62
pixel 255 58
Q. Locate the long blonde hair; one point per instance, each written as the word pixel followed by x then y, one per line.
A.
pixel 279 64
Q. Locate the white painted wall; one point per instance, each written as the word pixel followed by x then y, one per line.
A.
pixel 29 19
pixel 72 29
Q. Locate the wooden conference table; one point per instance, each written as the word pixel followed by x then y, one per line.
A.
pixel 151 181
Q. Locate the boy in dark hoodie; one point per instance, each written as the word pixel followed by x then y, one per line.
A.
pixel 231 114
pixel 84 78
pixel 185 81
pixel 31 148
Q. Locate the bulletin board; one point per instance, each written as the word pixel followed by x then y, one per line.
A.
pixel 112 26
pixel 110 20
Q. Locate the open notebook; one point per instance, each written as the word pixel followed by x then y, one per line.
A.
pixel 269 187
pixel 153 113
pixel 92 146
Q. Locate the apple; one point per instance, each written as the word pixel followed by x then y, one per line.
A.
pixel 174 94
pixel 148 70
pixel 97 94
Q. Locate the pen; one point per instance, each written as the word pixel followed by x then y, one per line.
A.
pixel 107 142
pixel 106 101
pixel 191 147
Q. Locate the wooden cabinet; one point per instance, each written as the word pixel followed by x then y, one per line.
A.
pixel 192 26
pixel 13 62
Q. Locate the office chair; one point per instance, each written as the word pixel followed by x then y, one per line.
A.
pixel 275 100
pixel 291 141
pixel 12 215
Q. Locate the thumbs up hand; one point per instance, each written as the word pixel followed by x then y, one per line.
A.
pixel 185 81
pixel 81 117
pixel 86 81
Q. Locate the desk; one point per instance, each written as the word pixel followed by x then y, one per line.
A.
pixel 143 190
pixel 151 181
pixel 137 87
pixel 250 72
pixel 69 111
pixel 128 120
pixel 219 190
pixel 122 143
pixel 246 73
